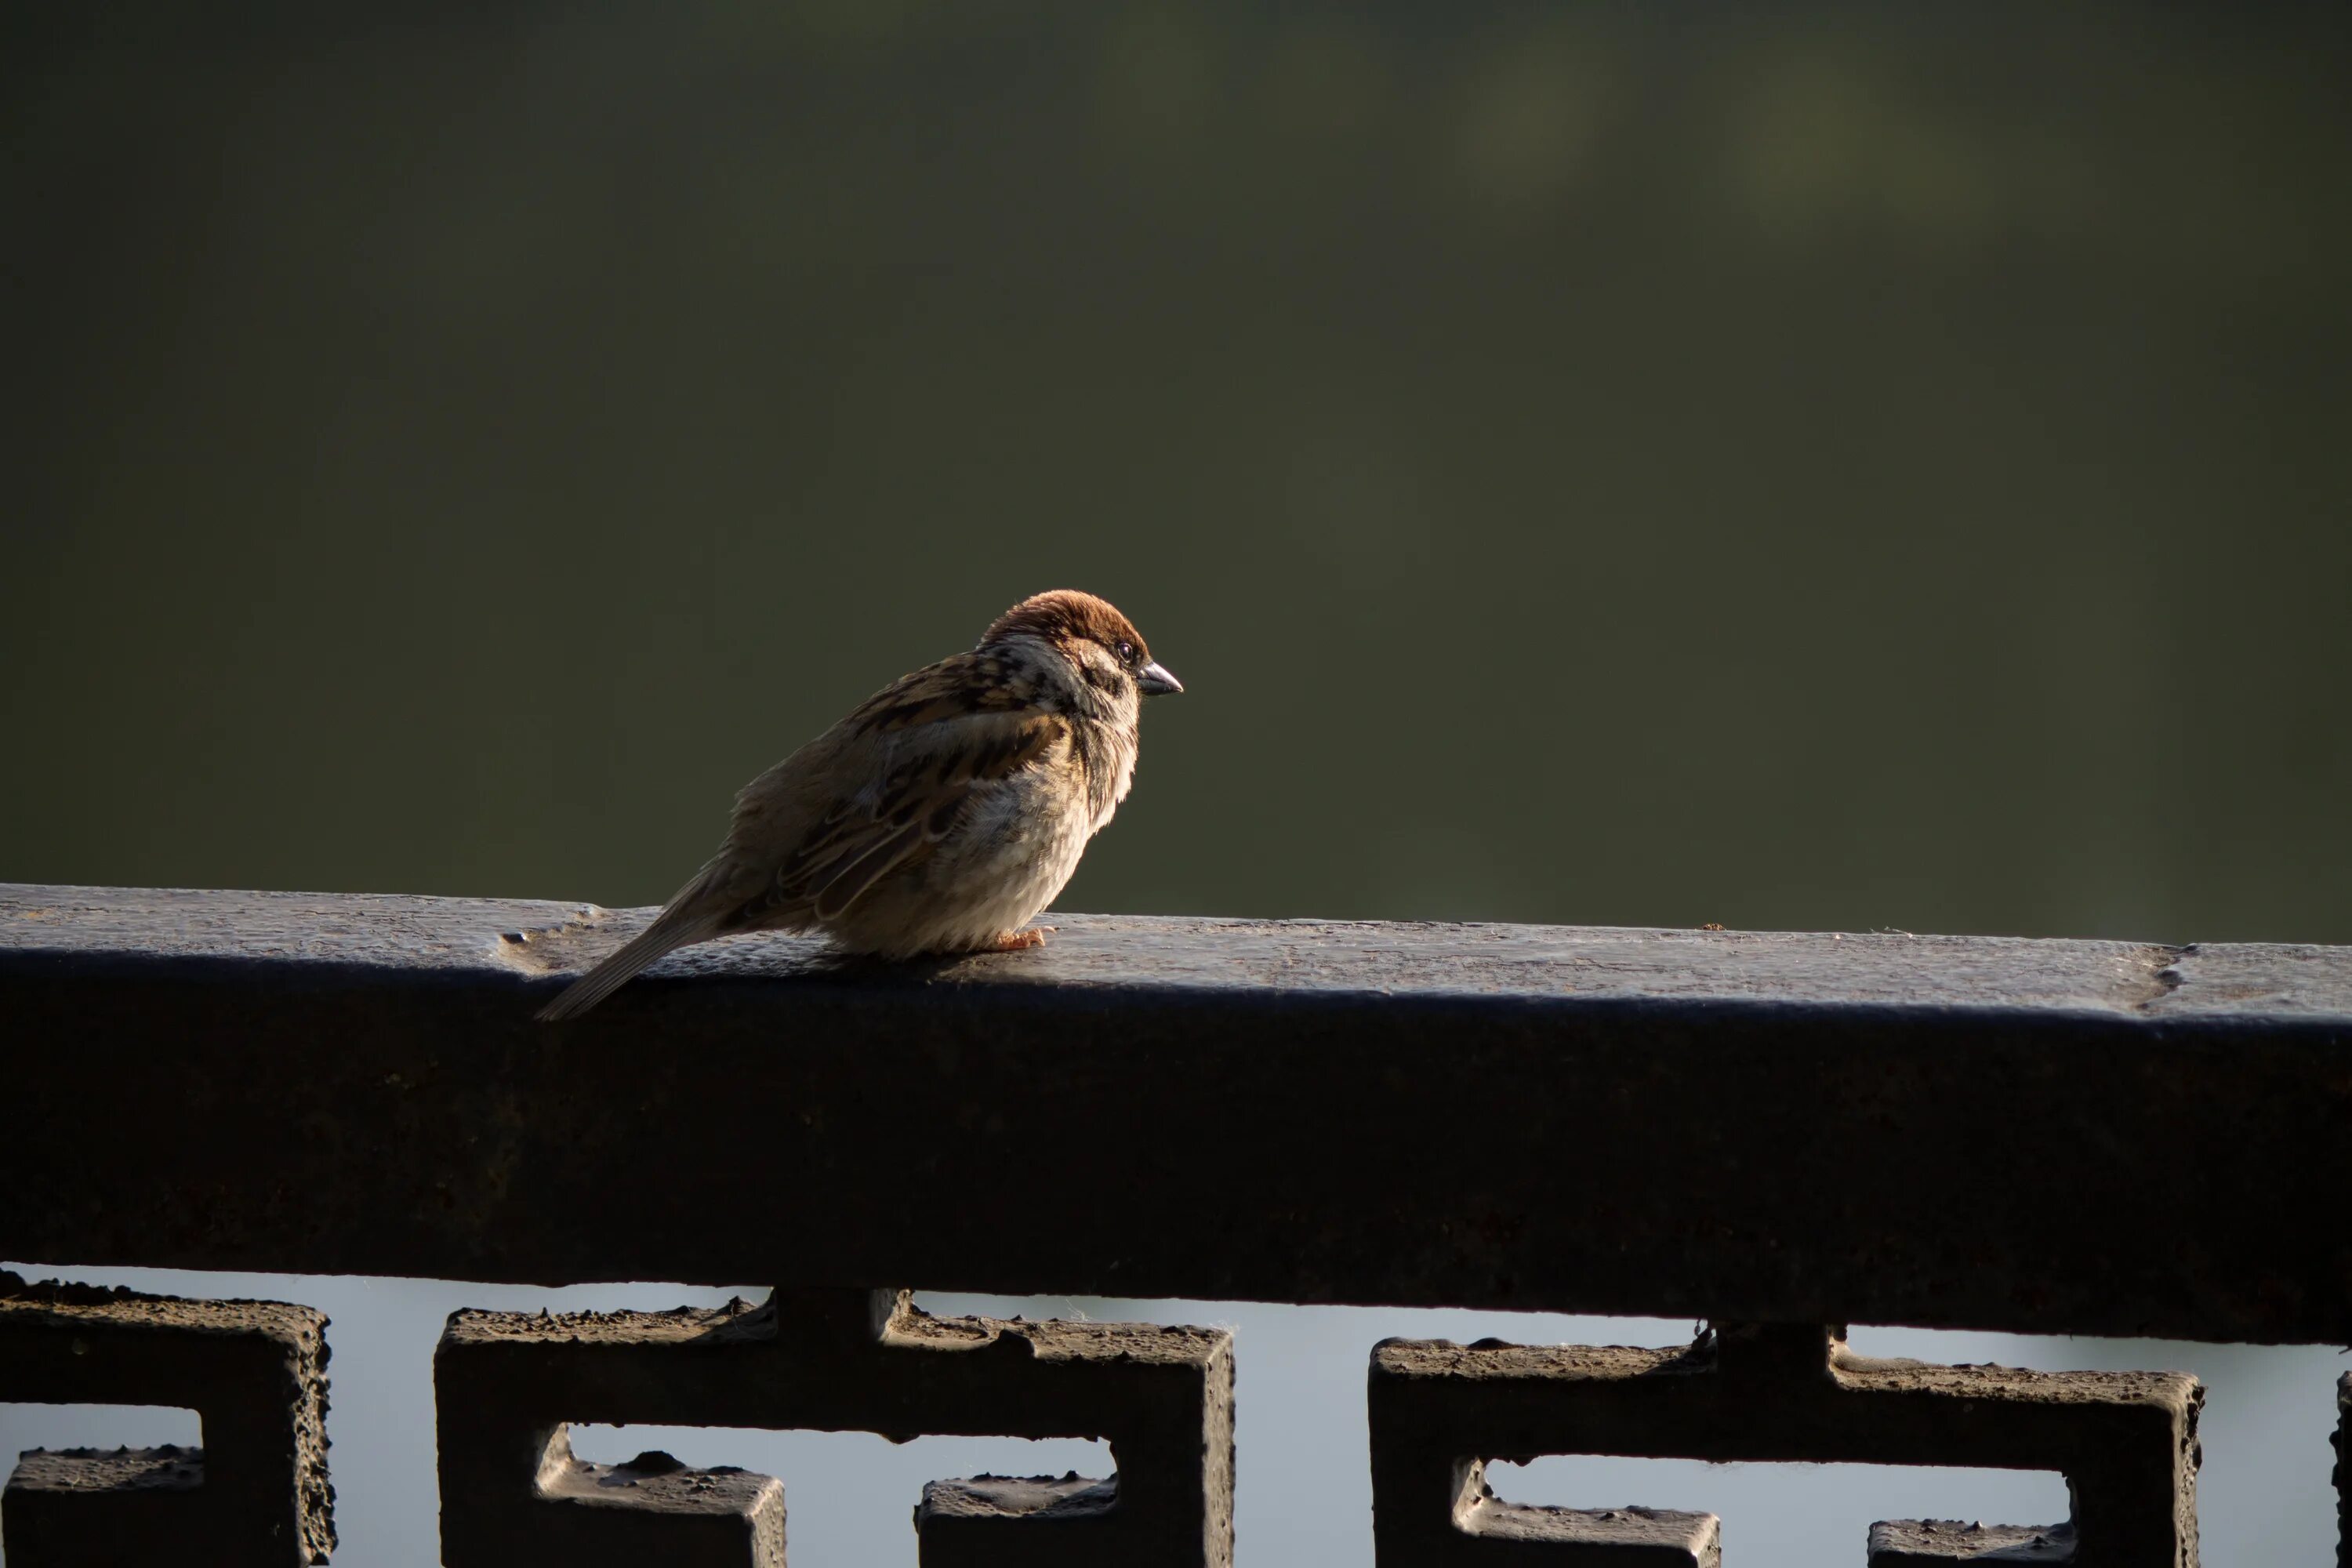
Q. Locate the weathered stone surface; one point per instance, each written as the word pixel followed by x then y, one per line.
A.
pixel 990 1497
pixel 255 1371
pixel 1490 1530
pixel 90 1472
pixel 67 1508
pixel 2343 1471
pixel 2127 1442
pixel 1936 1543
pixel 994 1521
pixel 522 938
pixel 652 1510
pixel 1782 1126
pixel 511 1491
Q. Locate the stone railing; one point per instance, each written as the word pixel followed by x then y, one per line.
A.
pixel 1777 1134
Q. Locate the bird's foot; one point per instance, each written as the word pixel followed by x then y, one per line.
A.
pixel 1014 940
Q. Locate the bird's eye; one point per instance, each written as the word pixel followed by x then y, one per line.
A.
pixel 1126 652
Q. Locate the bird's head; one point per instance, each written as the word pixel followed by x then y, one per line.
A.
pixel 1102 647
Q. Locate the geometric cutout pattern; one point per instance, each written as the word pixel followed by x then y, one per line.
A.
pixel 508 1385
pixel 254 1372
pixel 2125 1442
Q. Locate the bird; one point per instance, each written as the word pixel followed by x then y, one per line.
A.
pixel 941 815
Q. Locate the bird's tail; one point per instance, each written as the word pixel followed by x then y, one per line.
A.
pixel 687 920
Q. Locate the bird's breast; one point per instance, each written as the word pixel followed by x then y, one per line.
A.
pixel 1008 853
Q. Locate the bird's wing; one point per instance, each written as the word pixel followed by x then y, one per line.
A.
pixel 876 791
pixel 916 803
pixel 901 769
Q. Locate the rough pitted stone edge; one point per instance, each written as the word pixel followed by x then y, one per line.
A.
pixel 90 1472
pixel 1068 1499
pixel 723 1489
pixel 1614 1527
pixel 2343 1472
pixel 1899 1542
pixel 1444 1359
pixel 1557 966
pixel 63 1304
pixel 1046 1339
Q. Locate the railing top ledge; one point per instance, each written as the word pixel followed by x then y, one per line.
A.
pixel 506 943
pixel 2056 1137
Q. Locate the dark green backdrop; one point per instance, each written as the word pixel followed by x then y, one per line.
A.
pixel 1791 466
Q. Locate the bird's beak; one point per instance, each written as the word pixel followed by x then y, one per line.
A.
pixel 1155 681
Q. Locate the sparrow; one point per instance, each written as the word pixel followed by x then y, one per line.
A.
pixel 941 815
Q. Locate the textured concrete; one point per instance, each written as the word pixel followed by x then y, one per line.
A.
pixel 985 1521
pixel 2127 1442
pixel 2043 1137
pixel 1488 1531
pixel 1938 1542
pixel 511 1491
pixel 255 1371
pixel 2343 1471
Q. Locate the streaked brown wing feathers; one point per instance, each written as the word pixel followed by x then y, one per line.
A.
pixel 916 807
pixel 955 688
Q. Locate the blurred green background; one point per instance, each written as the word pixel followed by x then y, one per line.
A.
pixel 1789 465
